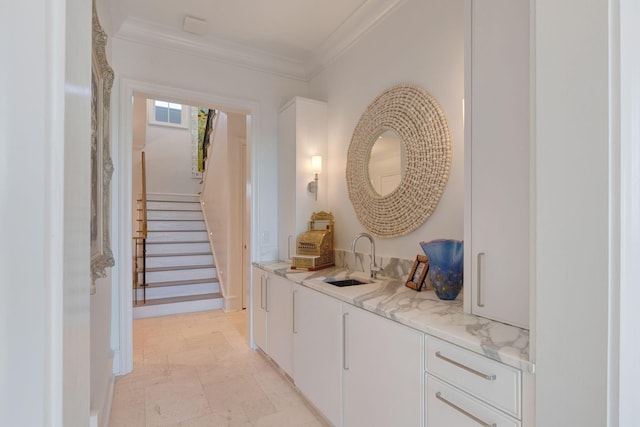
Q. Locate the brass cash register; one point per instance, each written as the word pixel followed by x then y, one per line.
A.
pixel 314 247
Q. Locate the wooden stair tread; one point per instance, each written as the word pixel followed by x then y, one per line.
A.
pixel 177 254
pixel 170 210
pixel 172 231
pixel 178 267
pixel 171 219
pixel 177 241
pixel 170 201
pixel 169 300
pixel 180 282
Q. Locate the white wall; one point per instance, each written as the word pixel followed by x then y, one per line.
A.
pixel 102 379
pixel 44 213
pixel 168 160
pixel 572 138
pixel 222 204
pixel 420 43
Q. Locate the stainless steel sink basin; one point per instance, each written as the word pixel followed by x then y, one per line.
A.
pixel 345 282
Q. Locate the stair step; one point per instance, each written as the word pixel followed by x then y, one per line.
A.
pixel 166 236
pixel 181 282
pixel 170 201
pixel 178 254
pixel 173 206
pixel 177 267
pixel 177 305
pixel 169 210
pixel 173 225
pixel 172 231
pixel 177 242
pixel 177 260
pixel 170 219
pixel 157 292
pixel 161 248
pixel 171 197
pixel 169 300
pixel 180 274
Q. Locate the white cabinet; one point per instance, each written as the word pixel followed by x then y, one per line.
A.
pixel 302 133
pixel 317 350
pixel 280 322
pixel 259 313
pixel 466 389
pixel 272 317
pixel 382 371
pixel 497 160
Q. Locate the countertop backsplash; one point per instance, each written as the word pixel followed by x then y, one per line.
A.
pixel 393 268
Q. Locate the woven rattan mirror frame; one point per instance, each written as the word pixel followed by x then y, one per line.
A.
pixel 416 117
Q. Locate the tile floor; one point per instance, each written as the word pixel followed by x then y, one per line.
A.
pixel 196 370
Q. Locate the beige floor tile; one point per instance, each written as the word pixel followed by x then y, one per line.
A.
pixel 144 377
pixel 286 400
pixel 293 417
pixel 272 382
pixel 258 408
pixel 196 370
pixel 174 402
pixel 232 393
pixel 234 417
pixel 127 408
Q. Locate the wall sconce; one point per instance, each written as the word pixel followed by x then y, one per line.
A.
pixel 316 167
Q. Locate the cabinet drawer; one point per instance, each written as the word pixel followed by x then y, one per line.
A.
pixel 446 407
pixel 491 381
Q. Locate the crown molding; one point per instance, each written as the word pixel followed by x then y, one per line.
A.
pixel 151 34
pixel 346 35
pixel 365 18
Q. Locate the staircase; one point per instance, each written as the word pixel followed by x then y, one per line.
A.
pixel 180 270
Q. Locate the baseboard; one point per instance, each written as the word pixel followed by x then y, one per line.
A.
pixel 117 363
pixel 99 417
pixel 232 303
pixel 109 401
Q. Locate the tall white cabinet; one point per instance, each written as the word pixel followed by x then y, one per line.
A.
pixel 302 133
pixel 497 160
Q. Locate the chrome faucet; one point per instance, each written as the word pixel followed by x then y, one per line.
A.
pixel 374 267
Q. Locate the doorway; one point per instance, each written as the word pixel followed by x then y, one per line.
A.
pixel 122 313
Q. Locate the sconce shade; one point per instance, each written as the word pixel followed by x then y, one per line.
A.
pixel 316 164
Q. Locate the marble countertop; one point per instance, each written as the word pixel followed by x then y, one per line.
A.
pixel 423 311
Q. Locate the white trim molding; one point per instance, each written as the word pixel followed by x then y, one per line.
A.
pixel 366 17
pixel 123 185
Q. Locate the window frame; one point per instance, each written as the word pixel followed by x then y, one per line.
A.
pixel 151 116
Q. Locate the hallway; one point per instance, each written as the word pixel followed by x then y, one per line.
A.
pixel 196 370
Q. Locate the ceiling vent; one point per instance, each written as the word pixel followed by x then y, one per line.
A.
pixel 194 25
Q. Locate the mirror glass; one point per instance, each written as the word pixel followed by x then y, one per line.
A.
pixel 386 162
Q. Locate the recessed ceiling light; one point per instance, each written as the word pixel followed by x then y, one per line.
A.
pixel 194 25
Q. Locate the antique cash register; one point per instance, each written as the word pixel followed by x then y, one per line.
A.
pixel 314 247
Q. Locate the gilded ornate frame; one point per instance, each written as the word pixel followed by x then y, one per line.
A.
pixel 101 163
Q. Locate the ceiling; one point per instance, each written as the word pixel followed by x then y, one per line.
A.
pixel 292 37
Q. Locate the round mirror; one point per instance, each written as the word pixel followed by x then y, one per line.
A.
pixel 386 163
pixel 413 119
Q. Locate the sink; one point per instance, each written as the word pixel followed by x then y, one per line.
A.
pixel 345 282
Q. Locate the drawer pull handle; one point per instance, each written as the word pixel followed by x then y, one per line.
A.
pixel 462 411
pixel 345 357
pixel 267 280
pixel 479 280
pixel 466 368
pixel 262 292
pixel 293 314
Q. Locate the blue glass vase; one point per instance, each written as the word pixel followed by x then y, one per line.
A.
pixel 445 266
